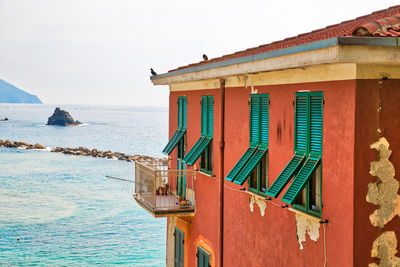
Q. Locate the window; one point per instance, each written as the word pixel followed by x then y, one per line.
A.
pixel 179 134
pixel 178 249
pixel 253 163
pixel 203 146
pixel 206 159
pixel 258 181
pixel 203 257
pixel 305 190
pixel 309 199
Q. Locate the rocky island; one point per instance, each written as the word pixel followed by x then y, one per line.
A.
pixel 62 118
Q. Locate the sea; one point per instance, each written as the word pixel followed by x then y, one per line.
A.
pixel 61 210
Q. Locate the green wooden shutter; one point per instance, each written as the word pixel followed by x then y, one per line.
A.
pixel 203 257
pixel 300 180
pixel 301 122
pixel 179 248
pixel 204 109
pixel 284 177
pixel 254 119
pixel 316 114
pixel 173 142
pixel 210 115
pixel 180 113
pixel 184 111
pixel 264 120
pixel 249 167
pixel 196 150
pixel 239 165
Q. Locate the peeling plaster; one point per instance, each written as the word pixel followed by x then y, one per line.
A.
pixel 171 241
pixel 383 192
pixel 384 248
pixel 305 224
pixel 260 202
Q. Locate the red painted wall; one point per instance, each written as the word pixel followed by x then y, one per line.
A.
pixel 271 240
pixel 253 240
pixel 206 220
pixel 370 95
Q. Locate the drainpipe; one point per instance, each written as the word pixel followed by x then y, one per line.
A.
pixel 221 172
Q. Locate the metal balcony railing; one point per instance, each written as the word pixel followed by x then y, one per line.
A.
pixel 164 192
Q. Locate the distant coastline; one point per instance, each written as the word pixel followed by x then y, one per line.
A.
pixel 11 94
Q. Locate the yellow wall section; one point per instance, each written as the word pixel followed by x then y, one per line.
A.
pixel 196 85
pixel 378 71
pixel 326 72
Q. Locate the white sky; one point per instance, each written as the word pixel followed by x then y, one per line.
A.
pixel 100 51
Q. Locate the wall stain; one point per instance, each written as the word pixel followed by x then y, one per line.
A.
pixel 305 224
pixel 279 132
pixel 260 202
pixel 384 248
pixel 383 192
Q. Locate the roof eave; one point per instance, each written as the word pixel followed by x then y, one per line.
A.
pixel 332 42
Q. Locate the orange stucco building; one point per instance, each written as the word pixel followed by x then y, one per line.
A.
pixel 285 154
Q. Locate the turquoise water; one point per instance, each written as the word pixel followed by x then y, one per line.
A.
pixel 60 210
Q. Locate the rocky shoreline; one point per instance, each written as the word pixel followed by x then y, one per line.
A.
pixel 83 151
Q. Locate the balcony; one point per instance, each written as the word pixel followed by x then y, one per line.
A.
pixel 164 192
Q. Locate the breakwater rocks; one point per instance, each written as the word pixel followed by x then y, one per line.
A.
pixel 83 151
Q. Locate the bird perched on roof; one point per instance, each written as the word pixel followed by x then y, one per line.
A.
pixel 153 72
pixel 205 57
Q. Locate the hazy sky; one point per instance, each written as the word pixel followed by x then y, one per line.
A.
pixel 100 51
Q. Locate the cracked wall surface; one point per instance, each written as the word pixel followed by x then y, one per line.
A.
pixel 305 224
pixel 384 248
pixel 383 192
pixel 260 202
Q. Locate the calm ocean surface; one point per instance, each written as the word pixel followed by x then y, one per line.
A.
pixel 61 207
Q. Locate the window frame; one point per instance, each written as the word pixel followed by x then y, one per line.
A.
pixel 201 252
pixel 305 207
pixel 307 202
pixel 206 159
pixel 259 175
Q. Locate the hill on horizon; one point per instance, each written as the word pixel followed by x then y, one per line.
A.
pixel 11 94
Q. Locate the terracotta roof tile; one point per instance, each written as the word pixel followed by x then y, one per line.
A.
pixel 384 27
pixel 382 23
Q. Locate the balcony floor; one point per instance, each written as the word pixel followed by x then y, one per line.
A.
pixel 165 205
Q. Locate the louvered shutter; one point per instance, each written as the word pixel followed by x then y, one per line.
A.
pixel 284 177
pixel 254 120
pixel 301 123
pixel 210 115
pixel 239 165
pixel 300 180
pixel 316 113
pixel 173 142
pixel 203 257
pixel 204 109
pixel 196 150
pixel 180 113
pixel 249 167
pixel 179 248
pixel 264 120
